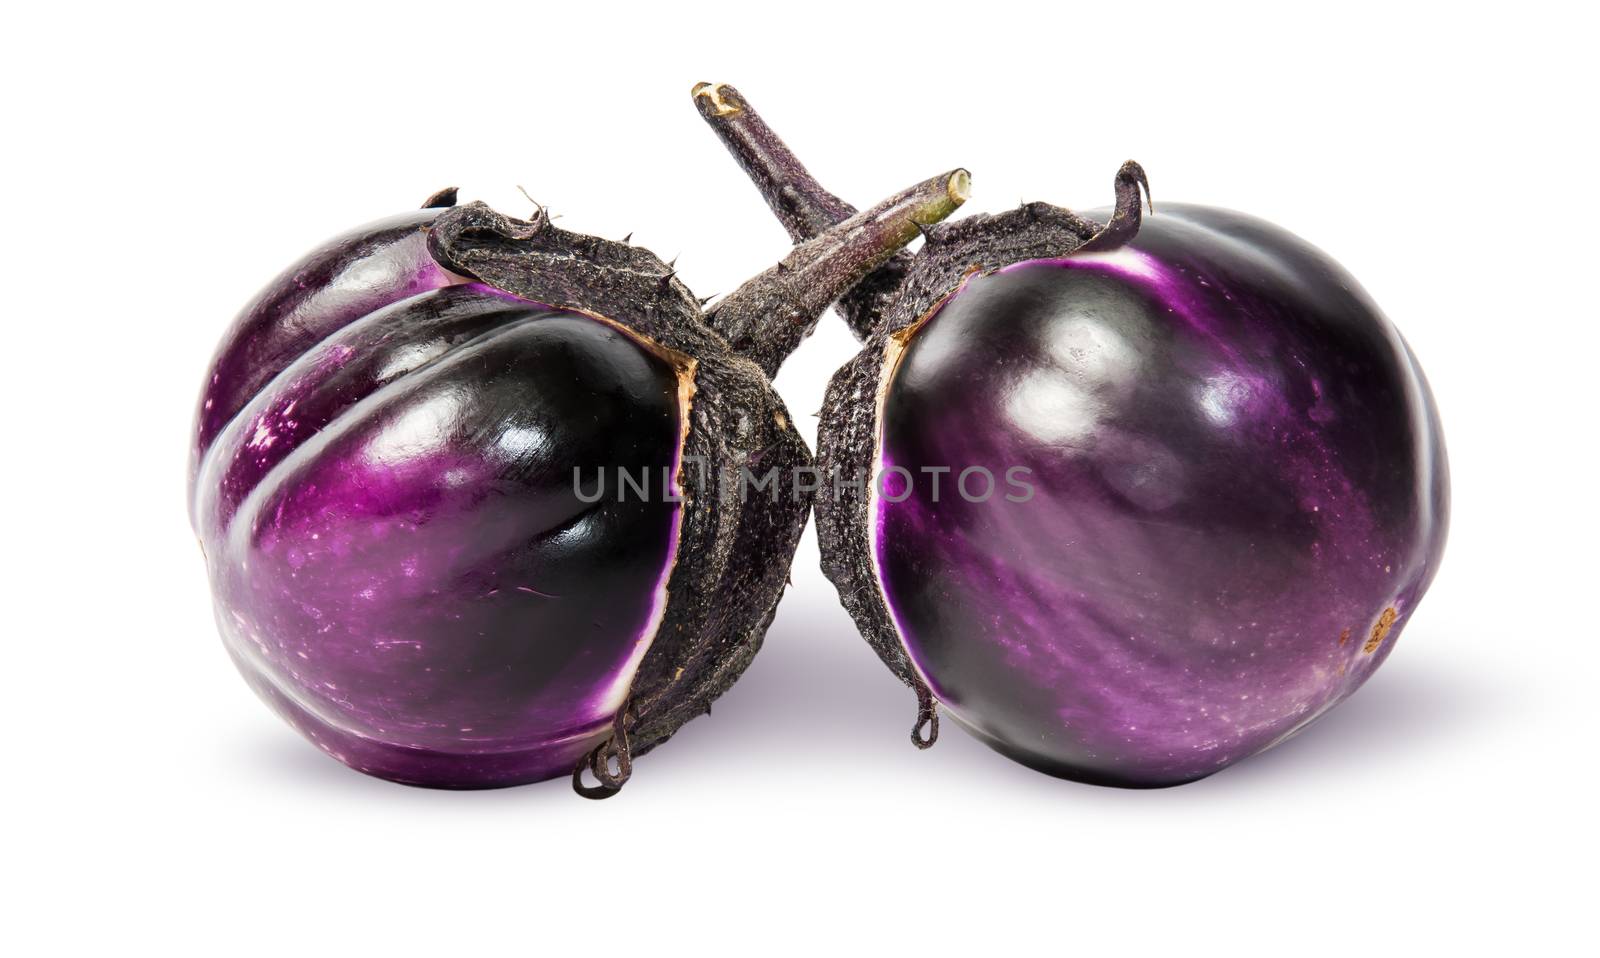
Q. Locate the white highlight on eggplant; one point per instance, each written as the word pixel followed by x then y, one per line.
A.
pixel 1128 261
pixel 1049 406
pixel 519 442
pixel 409 357
pixel 1222 396
pixel 1089 367
pixel 417 430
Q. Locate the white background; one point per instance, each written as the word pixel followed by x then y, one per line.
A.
pixel 164 163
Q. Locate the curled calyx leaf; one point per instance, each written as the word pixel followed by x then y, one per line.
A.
pixel 926 731
pixel 613 751
pixel 444 199
pixel 1125 219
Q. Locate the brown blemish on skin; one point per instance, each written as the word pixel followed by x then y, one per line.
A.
pixel 1380 631
pixel 1344 638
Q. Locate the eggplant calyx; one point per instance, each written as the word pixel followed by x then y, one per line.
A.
pixel 539 261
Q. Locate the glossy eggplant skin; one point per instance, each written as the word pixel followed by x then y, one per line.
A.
pixel 1239 495
pixel 336 284
pixel 401 561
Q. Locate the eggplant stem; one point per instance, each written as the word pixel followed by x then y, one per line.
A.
pixel 795 196
pixel 800 203
pixel 767 317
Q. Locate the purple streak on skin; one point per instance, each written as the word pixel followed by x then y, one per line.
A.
pixel 400 565
pixel 1238 470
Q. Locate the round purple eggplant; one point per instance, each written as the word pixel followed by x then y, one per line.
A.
pixel 1145 496
pixel 460 482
